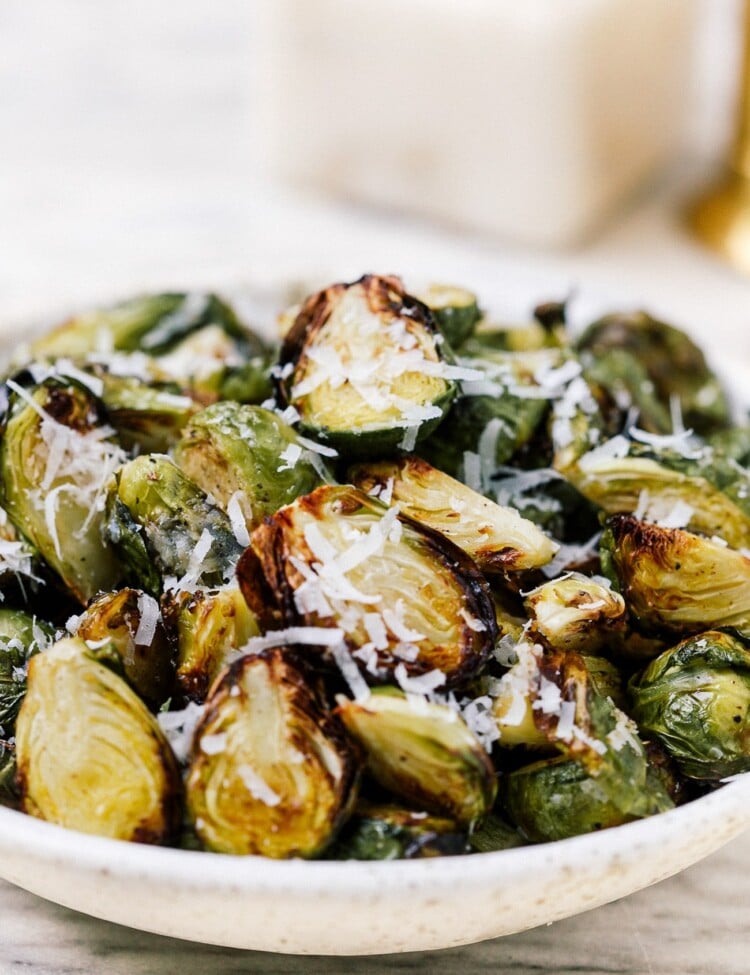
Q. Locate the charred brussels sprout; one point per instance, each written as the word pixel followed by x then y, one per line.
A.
pixel 363 367
pixel 130 621
pixel 455 309
pixel 497 538
pixel 695 699
pixel 271 771
pixel 56 458
pixel 164 527
pixel 145 416
pixel 249 454
pixel 675 581
pixel 575 612
pixel 403 598
pixel 388 832
pixel 674 364
pixel 423 753
pixel 90 755
pixel 210 625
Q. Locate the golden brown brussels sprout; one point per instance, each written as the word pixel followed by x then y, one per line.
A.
pixel 129 620
pixel 56 459
pixel 675 581
pixel 271 771
pixel 210 625
pixel 363 367
pixel 455 309
pixel 248 454
pixel 389 832
pixel 423 753
pixel 695 699
pixel 90 755
pixel 497 538
pixel 145 416
pixel 674 363
pixel 165 529
pixel 575 612
pixel 404 599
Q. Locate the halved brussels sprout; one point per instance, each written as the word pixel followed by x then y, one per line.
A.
pixel 130 621
pixel 621 476
pixel 56 459
pixel 497 538
pixel 363 367
pixel 674 363
pixel 151 323
pixel 271 771
pixel 210 625
pixel 145 416
pixel 404 599
pixel 164 527
pixel 90 755
pixel 247 453
pixel 21 636
pixel 389 832
pixel 455 309
pixel 422 752
pixel 575 612
pixel 695 699
pixel 675 581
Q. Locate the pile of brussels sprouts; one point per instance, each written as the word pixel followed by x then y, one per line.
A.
pixel 409 582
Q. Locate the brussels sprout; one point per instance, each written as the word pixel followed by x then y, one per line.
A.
pixel 362 366
pixel 575 612
pixel 701 493
pixel 251 381
pixel 388 832
pixel 455 309
pixel 129 620
pixel 576 423
pixel 422 752
pixel 546 331
pixel 56 458
pixel 493 833
pixel 90 755
pixel 556 798
pixel 695 699
pixel 497 538
pixel 145 416
pixel 150 323
pixel 21 636
pixel 625 380
pixel 247 453
pixel 210 626
pixel 675 581
pixel 675 365
pixel 165 528
pixel 403 598
pixel 202 362
pixel 271 771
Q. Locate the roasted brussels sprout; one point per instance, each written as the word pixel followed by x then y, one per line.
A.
pixel 455 309
pixel 493 833
pixel 674 364
pixel 497 538
pixel 271 771
pixel 363 368
pixel 674 581
pixel 90 756
pixel 695 699
pixel 165 529
pixel 130 621
pixel 210 625
pixel 21 636
pixel 145 416
pixel 389 832
pixel 575 612
pixel 405 600
pixel 422 752
pixel 150 323
pixel 56 458
pixel 248 454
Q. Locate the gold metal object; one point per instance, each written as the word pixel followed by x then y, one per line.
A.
pixel 722 218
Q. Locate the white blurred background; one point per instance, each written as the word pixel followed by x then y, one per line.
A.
pixel 128 158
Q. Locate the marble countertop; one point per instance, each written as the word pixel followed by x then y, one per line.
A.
pixel 692 924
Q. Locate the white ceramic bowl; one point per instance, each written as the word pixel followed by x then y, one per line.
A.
pixel 363 908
